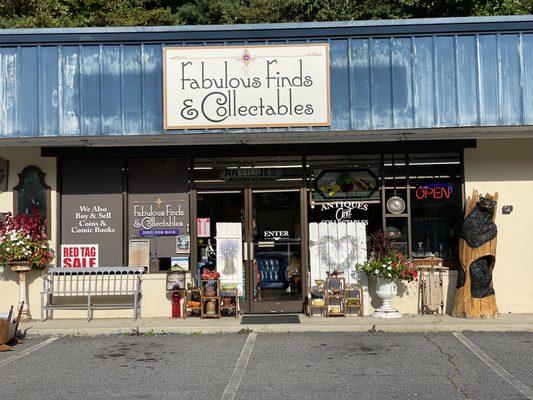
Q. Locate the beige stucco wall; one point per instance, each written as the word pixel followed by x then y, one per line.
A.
pixel 155 302
pixel 408 299
pixel 19 158
pixel 506 167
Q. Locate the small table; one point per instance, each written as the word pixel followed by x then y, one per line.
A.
pixel 204 299
pixel 322 292
pixel 230 301
pixel 336 296
pixel 355 302
pixel 186 294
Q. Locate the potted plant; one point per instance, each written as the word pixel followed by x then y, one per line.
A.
pixel 24 246
pixel 388 265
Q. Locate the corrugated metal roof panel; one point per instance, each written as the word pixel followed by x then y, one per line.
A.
pixel 377 83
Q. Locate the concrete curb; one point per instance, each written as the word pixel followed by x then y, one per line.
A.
pixel 281 328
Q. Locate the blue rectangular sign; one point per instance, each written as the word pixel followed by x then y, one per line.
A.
pixel 158 232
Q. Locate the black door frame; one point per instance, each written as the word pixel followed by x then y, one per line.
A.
pixel 249 305
pixel 274 306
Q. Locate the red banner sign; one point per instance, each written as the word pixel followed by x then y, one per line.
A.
pixel 79 255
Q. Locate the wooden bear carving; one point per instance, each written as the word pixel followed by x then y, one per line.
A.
pixel 474 296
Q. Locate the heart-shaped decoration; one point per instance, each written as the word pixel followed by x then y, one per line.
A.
pixel 338 253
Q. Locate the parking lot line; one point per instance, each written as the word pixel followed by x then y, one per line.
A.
pixel 525 390
pixel 28 351
pixel 238 372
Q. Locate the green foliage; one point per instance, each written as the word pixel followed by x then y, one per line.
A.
pixel 386 262
pixel 79 13
pixel 393 265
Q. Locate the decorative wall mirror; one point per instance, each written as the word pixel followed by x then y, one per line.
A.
pixel 32 190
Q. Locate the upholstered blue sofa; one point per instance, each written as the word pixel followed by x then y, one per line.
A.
pixel 272 268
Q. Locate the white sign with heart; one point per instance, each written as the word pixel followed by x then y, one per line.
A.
pixel 338 246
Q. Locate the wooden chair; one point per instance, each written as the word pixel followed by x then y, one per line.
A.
pixel 337 298
pixel 355 298
pixel 8 329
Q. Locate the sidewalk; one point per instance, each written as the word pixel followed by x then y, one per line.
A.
pixel 194 325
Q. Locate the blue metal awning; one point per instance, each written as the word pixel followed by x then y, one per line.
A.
pixel 386 76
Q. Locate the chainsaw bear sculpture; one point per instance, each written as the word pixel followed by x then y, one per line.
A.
pixel 481 277
pixel 479 227
pixel 474 297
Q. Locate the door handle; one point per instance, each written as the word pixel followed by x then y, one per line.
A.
pixel 251 251
pixel 245 251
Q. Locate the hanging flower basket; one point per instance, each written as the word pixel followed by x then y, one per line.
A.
pixel 24 246
pixel 20 266
pixel 23 242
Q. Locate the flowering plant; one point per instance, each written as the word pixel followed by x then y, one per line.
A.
pixel 386 262
pixel 23 238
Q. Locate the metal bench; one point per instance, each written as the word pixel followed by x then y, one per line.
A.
pixel 68 283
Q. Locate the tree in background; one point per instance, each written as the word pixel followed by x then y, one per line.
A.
pixel 71 13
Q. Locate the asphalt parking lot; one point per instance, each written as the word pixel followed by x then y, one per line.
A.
pixel 270 366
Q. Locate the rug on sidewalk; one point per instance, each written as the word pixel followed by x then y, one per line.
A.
pixel 270 319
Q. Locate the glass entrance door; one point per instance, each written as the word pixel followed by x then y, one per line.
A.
pixel 220 237
pixel 274 239
pixel 252 237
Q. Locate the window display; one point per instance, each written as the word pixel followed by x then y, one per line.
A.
pixel 436 205
pixel 92 207
pixel 417 201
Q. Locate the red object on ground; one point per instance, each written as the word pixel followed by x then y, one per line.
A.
pixel 176 309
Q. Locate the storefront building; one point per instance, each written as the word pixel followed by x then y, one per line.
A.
pixel 270 150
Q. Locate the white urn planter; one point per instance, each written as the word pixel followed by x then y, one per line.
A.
pixel 22 268
pixel 386 289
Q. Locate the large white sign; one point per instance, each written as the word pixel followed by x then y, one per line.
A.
pixel 229 253
pixel 246 86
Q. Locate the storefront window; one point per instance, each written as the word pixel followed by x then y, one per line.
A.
pixel 345 188
pixel 395 200
pixel 92 209
pixel 417 198
pixel 436 205
pixel 158 208
pixel 149 198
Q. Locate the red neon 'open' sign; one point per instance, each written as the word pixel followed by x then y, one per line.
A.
pixel 434 191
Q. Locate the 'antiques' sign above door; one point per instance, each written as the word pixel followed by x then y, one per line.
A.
pixel 246 86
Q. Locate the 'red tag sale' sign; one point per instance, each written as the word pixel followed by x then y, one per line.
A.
pixel 79 255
